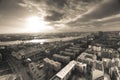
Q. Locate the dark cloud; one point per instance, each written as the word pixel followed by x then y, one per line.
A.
pixel 0 1
pixel 55 16
pixel 57 3
pixel 107 8
pixel 65 10
pixel 88 1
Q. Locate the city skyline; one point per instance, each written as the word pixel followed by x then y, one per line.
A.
pixel 33 16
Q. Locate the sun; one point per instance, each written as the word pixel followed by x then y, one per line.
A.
pixel 37 24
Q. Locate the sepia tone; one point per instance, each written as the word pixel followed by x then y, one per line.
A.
pixel 59 40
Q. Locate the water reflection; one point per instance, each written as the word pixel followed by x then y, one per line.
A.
pixel 41 41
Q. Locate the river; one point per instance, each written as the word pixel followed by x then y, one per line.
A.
pixel 6 43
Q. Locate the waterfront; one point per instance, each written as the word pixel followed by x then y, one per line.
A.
pixel 41 41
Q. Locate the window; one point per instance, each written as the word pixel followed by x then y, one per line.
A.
pixel 99 66
pixel 100 78
pixel 32 68
pixel 56 78
pixel 34 71
pixel 37 75
pixel 31 65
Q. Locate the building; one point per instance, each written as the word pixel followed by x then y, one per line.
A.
pixel 106 62
pixel 96 47
pixel 69 50
pixel 111 62
pixel 114 73
pixel 117 62
pixel 12 77
pixel 74 48
pixel 70 54
pixel 9 77
pixel 51 64
pixel 86 58
pixel 34 54
pixel 35 71
pixel 61 58
pixel 65 73
pixel 0 57
pixel 81 67
pixel 87 55
pixel 102 51
pixel 97 71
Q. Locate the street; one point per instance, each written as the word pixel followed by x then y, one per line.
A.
pixel 18 68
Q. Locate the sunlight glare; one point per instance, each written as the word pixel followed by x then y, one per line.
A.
pixel 36 24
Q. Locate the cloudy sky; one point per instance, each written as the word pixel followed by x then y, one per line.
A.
pixel 19 16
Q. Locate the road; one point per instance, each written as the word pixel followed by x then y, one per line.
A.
pixel 18 68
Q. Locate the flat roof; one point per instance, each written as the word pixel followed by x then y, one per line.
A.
pixel 66 69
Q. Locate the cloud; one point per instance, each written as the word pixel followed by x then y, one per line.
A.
pixel 54 16
pixel 22 4
pixel 0 15
pixel 100 15
pixel 114 18
pixel 104 9
pixel 81 14
pixel 65 10
pixel 0 1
